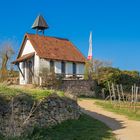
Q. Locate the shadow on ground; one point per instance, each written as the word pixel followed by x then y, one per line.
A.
pixel 110 122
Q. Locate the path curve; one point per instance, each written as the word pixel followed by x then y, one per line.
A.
pixel 122 127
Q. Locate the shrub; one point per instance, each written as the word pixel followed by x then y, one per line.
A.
pixel 50 79
pixel 117 76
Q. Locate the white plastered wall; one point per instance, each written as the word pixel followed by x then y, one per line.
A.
pixel 28 48
pixel 44 64
pixel 36 68
pixel 21 78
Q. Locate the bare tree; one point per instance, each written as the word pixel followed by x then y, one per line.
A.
pixel 97 64
pixel 92 68
pixel 89 70
pixel 6 53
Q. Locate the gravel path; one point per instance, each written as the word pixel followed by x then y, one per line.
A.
pixel 122 127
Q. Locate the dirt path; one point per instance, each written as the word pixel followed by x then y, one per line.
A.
pixel 124 128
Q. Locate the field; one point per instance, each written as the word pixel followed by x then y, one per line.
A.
pixel 121 108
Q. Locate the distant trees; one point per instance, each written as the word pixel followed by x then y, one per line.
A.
pixel 117 76
pixel 92 68
pixel 6 53
pixel 102 72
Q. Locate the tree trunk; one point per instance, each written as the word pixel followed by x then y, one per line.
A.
pixel 4 72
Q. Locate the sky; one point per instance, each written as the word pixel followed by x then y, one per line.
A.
pixel 115 25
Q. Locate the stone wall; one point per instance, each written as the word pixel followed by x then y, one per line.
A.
pixel 23 113
pixel 80 87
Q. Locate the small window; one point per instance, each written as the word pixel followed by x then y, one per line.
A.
pixel 52 66
pixel 63 68
pixel 74 68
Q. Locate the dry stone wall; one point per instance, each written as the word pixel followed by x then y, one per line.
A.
pixel 80 87
pixel 23 113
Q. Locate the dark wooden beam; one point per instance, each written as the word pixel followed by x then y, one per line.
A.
pixel 20 71
pixel 31 71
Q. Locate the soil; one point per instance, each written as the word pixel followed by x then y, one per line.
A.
pixel 122 127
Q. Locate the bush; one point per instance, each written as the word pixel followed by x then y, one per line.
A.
pixel 116 76
pixel 50 79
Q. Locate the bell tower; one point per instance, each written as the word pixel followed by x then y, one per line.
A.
pixel 40 25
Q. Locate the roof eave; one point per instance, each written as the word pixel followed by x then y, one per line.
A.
pixel 74 61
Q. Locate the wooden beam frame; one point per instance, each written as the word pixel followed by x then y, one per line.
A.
pixel 31 71
pixel 20 71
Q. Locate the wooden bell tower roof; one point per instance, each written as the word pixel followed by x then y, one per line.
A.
pixel 40 24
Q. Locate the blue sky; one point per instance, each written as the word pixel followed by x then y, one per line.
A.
pixel 115 25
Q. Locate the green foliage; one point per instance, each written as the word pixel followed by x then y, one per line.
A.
pixel 9 92
pixel 86 128
pixel 101 72
pixel 116 76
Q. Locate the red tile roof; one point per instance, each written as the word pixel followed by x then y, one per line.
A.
pixel 24 57
pixel 54 48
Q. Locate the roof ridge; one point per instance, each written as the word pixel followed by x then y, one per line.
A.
pixel 60 38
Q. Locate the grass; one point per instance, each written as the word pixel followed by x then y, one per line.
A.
pixel 129 112
pixel 86 128
pixel 38 94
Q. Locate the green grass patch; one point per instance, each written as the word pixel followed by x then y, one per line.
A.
pixel 129 112
pixel 9 92
pixel 86 128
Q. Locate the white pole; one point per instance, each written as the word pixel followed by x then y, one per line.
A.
pixel 90 47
